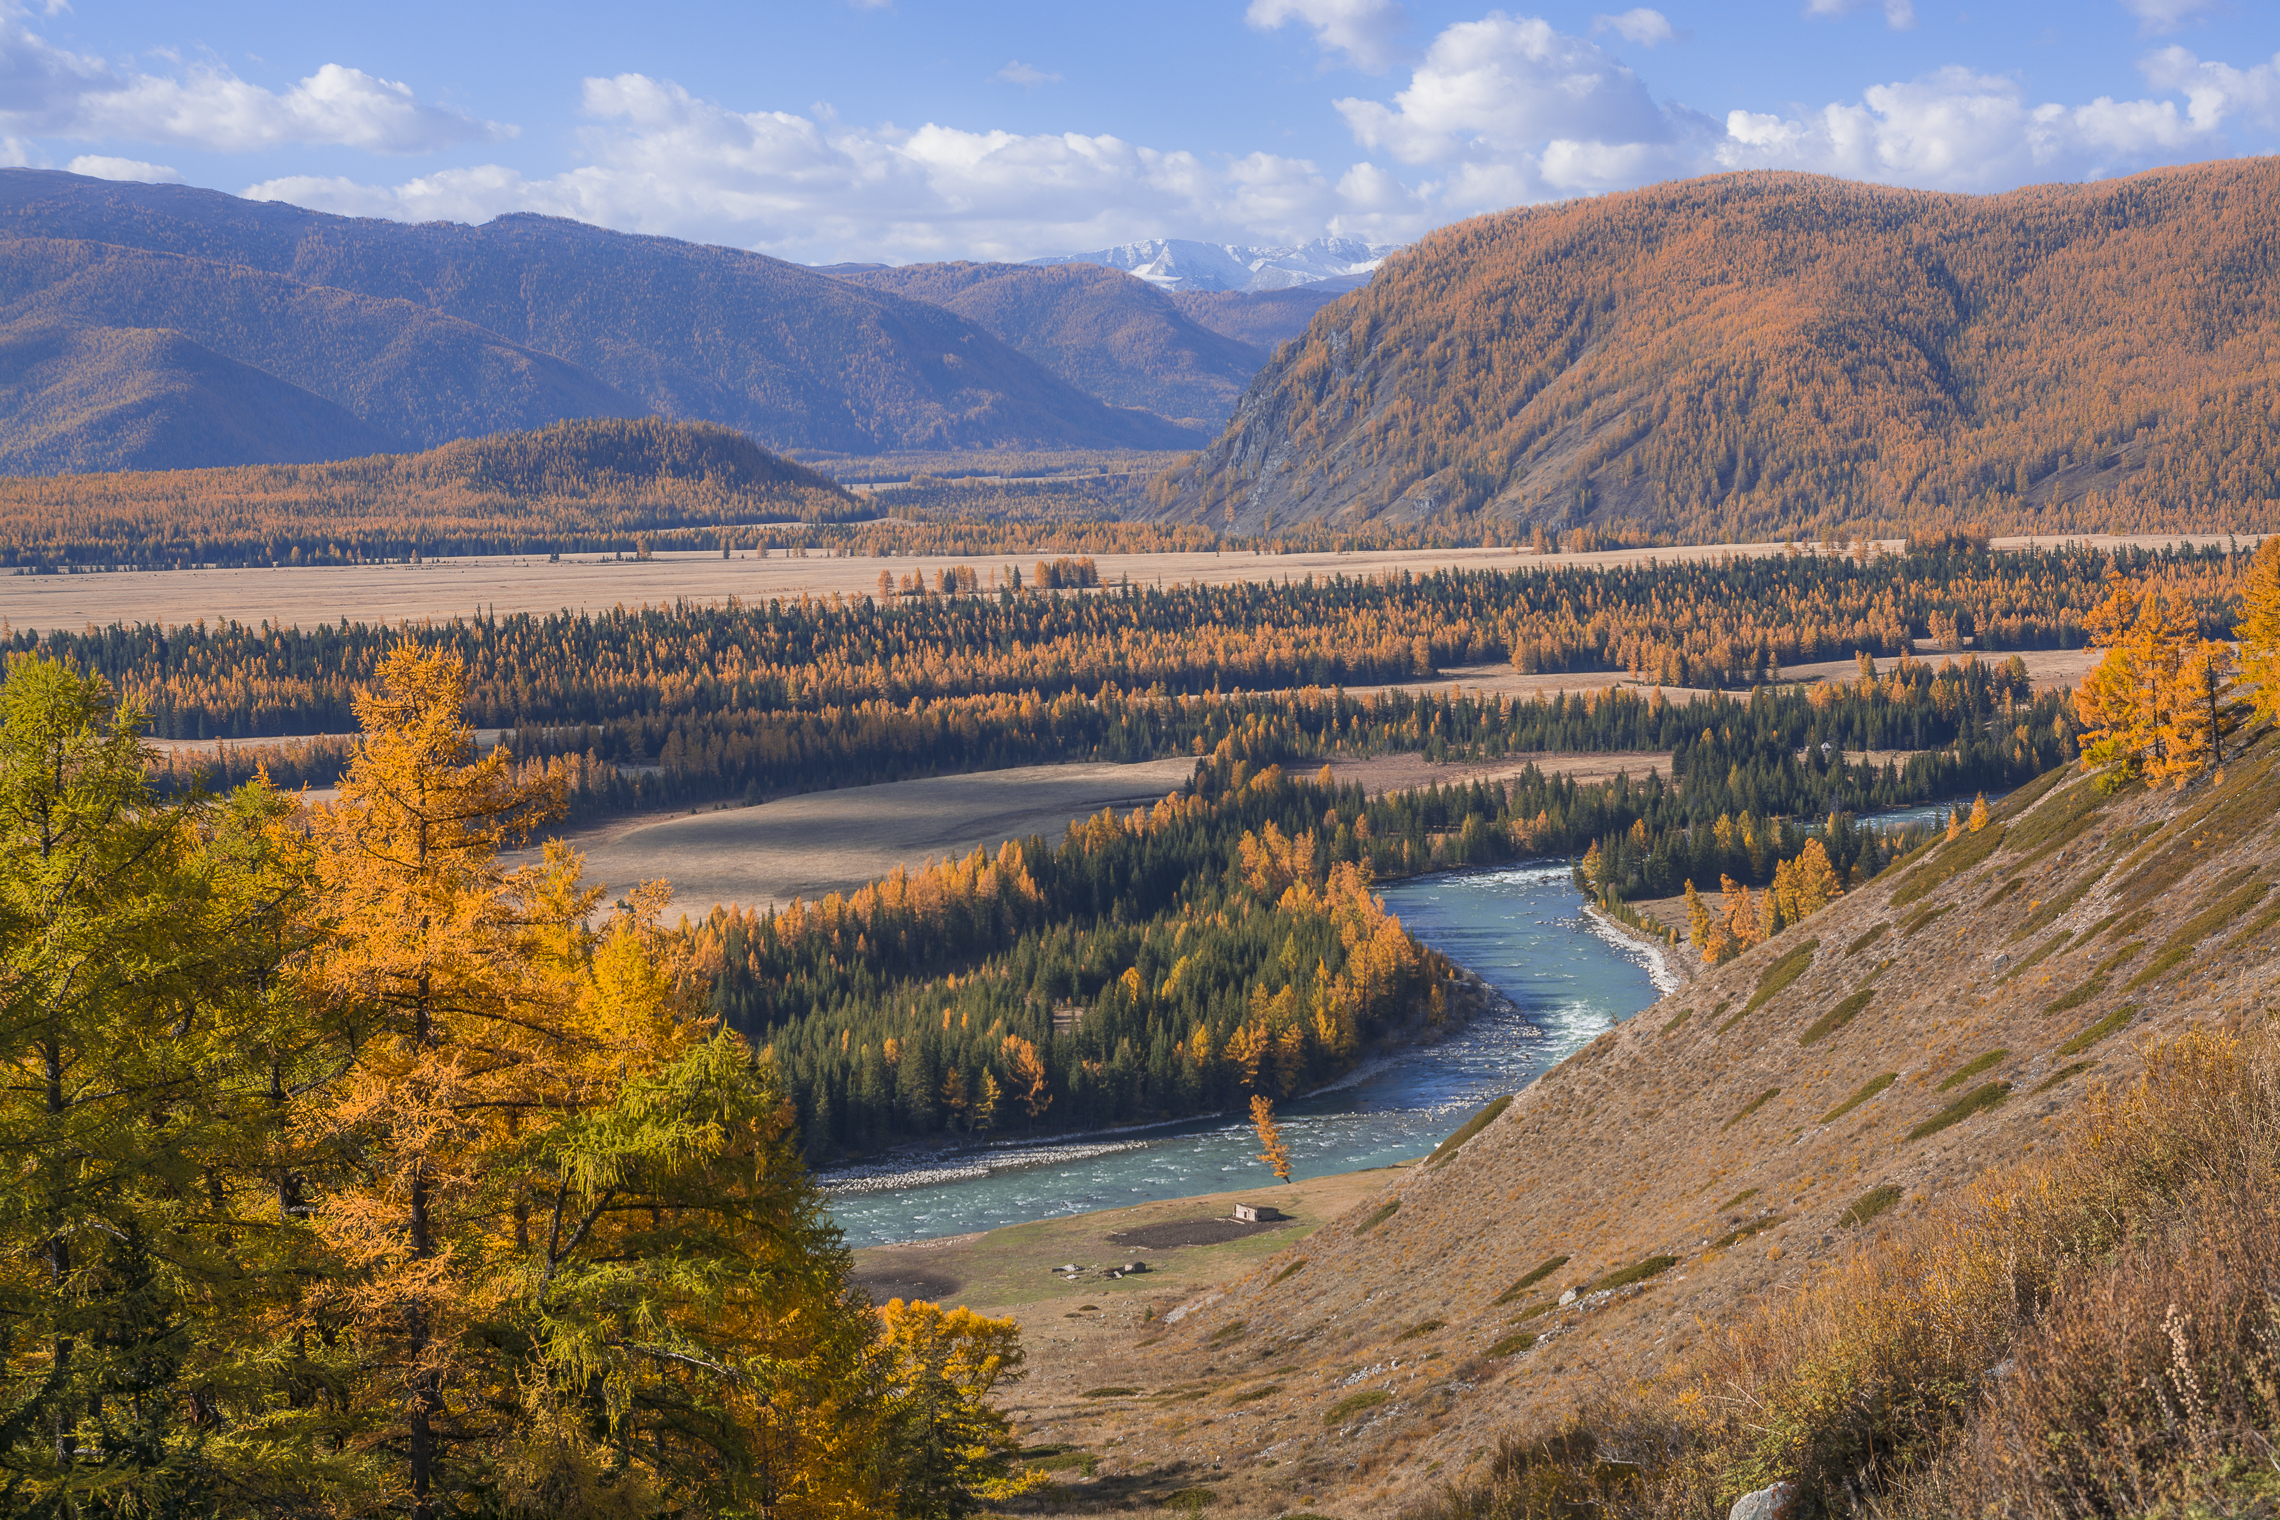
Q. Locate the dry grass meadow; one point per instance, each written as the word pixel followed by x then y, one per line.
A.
pixel 302 596
pixel 822 842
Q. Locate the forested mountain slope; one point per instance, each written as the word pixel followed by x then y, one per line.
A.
pixel 1734 1141
pixel 1740 356
pixel 1101 329
pixel 582 484
pixel 615 322
pixel 368 372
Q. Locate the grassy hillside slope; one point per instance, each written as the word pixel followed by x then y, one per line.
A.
pixel 1104 330
pixel 1735 1141
pixel 1745 355
pixel 576 485
pixel 792 357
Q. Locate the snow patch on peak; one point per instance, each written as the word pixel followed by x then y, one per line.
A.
pixel 1183 264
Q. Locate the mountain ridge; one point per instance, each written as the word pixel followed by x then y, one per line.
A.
pixel 581 484
pixel 622 323
pixel 1749 355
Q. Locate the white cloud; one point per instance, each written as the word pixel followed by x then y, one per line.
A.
pixel 2214 91
pixel 1900 15
pixel 1497 112
pixel 1522 111
pixel 664 161
pixel 2167 15
pixel 1955 129
pixel 1017 72
pixel 1366 31
pixel 99 166
pixel 1640 27
pixel 46 91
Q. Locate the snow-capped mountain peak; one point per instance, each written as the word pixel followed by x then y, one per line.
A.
pixel 1183 264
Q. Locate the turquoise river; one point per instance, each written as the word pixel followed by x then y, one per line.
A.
pixel 1564 978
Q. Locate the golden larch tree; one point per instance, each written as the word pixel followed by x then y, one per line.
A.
pixel 1271 1148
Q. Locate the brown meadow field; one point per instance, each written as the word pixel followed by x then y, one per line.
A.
pixel 305 595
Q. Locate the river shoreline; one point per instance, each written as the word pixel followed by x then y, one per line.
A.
pixel 1671 970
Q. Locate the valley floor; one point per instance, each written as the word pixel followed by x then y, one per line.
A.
pixel 307 595
pixel 1113 1446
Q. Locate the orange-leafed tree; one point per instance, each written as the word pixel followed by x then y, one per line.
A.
pixel 2129 702
pixel 440 968
pixel 948 1449
pixel 1805 885
pixel 2204 712
pixel 1697 917
pixel 1030 1083
pixel 1271 1148
pixel 2259 630
pixel 583 1265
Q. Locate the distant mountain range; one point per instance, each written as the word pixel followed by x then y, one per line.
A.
pixel 161 326
pixel 1179 264
pixel 1119 338
pixel 1747 355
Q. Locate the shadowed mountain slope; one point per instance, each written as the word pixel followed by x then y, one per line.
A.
pixel 1710 1154
pixel 411 376
pixel 1740 356
pixel 632 324
pixel 1102 329
pixel 94 398
pixel 1265 319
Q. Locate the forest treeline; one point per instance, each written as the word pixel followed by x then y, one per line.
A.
pixel 349 1172
pixel 584 485
pixel 1729 623
pixel 1734 357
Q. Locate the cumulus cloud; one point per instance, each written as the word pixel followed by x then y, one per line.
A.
pixel 665 161
pixel 1017 72
pixel 1367 32
pixel 1640 27
pixel 1956 129
pixel 46 91
pixel 1900 15
pixel 100 166
pixel 1517 110
pixel 2214 91
pixel 1496 112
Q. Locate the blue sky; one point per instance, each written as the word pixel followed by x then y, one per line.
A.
pixel 915 130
